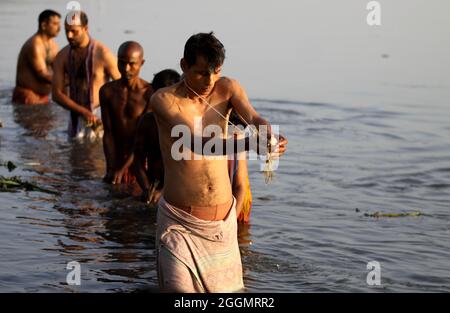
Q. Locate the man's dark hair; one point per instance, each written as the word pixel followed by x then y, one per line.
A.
pixel 165 78
pixel 46 15
pixel 83 17
pixel 207 46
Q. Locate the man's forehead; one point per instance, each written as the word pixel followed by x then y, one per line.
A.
pixel 54 18
pixel 72 27
pixel 202 65
pixel 129 55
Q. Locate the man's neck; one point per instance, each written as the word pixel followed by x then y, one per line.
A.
pixel 84 43
pixel 44 36
pixel 192 94
pixel 132 84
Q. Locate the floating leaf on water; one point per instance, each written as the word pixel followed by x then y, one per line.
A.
pixel 14 183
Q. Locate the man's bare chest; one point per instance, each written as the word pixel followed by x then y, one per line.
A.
pixel 129 105
pixel 190 113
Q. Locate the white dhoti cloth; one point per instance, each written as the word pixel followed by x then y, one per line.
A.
pixel 81 131
pixel 195 255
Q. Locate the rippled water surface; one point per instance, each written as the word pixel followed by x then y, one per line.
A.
pixel 305 233
pixel 379 147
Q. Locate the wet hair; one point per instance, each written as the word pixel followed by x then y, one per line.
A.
pixel 205 45
pixel 46 15
pixel 83 18
pixel 165 78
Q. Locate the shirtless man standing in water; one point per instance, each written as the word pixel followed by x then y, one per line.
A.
pixel 197 248
pixel 122 102
pixel 146 161
pixel 85 65
pixel 34 65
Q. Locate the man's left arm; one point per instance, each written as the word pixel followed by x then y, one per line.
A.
pixel 240 102
pixel 109 147
pixel 37 61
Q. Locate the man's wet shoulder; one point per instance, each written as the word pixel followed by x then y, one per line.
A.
pixel 164 94
pixel 225 86
pixel 148 89
pixel 35 40
pixel 226 82
pixel 109 88
pixel 101 50
pixel 32 43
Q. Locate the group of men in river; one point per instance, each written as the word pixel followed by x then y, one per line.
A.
pixel 199 199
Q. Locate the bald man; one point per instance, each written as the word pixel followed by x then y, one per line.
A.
pixel 122 103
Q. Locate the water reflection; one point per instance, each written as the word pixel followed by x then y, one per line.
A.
pixel 37 120
pixel 86 160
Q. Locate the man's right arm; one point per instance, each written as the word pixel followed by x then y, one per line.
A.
pixel 140 157
pixel 58 93
pixel 108 140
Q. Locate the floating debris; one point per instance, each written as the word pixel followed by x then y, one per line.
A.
pixel 9 165
pixel 12 166
pixel 380 214
pixel 12 184
pixel 268 169
pixel 269 166
pixel 32 164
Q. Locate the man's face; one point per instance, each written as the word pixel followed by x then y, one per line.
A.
pixel 200 76
pixel 75 34
pixel 129 63
pixel 52 26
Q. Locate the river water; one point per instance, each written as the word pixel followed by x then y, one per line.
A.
pixel 368 128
